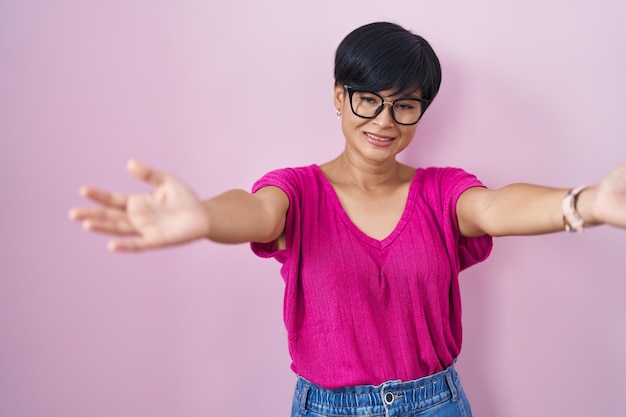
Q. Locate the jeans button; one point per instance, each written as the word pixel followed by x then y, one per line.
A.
pixel 388 397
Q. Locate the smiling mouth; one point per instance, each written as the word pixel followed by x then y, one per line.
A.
pixel 378 138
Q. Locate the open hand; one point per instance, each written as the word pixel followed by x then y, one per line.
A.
pixel 168 215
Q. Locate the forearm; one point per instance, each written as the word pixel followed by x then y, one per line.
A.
pixel 237 216
pixel 522 209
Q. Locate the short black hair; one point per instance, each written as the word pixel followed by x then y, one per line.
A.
pixel 384 56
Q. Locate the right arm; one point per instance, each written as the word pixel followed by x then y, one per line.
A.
pixel 238 216
pixel 172 214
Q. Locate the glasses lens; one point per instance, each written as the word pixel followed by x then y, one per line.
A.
pixel 407 111
pixel 365 104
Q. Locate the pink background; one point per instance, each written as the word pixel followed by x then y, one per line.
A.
pixel 221 92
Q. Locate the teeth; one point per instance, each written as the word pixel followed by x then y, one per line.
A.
pixel 378 138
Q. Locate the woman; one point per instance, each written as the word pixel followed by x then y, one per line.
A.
pixel 371 249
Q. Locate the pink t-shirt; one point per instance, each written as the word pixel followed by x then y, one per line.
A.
pixel 364 311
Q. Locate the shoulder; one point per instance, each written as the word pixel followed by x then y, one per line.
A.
pixel 288 179
pixel 446 177
pixel 444 185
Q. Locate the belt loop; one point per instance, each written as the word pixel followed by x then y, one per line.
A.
pixel 451 384
pixel 303 398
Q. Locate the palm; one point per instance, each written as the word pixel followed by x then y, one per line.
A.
pixel 170 214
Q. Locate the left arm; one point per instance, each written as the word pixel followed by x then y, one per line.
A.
pixel 524 209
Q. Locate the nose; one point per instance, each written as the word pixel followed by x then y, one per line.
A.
pixel 385 118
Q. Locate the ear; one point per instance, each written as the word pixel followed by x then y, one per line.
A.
pixel 339 94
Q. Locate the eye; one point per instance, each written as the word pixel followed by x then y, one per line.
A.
pixel 366 98
pixel 407 105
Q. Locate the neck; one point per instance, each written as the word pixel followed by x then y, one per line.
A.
pixel 366 174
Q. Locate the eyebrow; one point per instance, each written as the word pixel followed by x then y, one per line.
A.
pixel 401 95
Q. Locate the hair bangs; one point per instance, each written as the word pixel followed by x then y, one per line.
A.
pixel 384 56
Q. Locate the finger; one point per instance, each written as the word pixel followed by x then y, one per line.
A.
pixel 106 198
pixel 84 213
pixel 128 245
pixel 75 214
pixel 145 173
pixel 119 227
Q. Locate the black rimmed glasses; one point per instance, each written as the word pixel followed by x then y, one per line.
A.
pixel 368 105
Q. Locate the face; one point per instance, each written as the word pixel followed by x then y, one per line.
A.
pixel 376 140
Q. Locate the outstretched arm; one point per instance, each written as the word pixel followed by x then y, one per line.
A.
pixel 173 214
pixel 524 209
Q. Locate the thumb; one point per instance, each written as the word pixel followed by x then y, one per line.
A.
pixel 145 173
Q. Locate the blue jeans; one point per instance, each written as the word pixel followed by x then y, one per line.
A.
pixel 438 395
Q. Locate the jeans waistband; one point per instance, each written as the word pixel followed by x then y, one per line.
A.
pixel 385 398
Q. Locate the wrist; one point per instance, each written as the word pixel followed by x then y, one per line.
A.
pixel 585 204
pixel 578 209
pixel 204 226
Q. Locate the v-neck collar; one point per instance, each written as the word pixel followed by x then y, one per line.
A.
pixel 343 215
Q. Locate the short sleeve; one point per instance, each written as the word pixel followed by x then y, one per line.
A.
pixel 453 183
pixel 287 180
